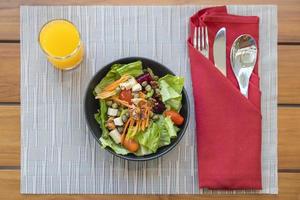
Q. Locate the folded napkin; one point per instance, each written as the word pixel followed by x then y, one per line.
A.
pixel 228 124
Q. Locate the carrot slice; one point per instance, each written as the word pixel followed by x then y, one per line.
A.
pixel 115 84
pixel 142 95
pixel 105 94
pixel 124 131
pixel 125 103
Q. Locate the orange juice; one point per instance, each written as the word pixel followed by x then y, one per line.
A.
pixel 61 42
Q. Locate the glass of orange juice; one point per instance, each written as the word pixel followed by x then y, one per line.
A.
pixel 61 42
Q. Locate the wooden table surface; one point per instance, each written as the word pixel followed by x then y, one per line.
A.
pixel 288 98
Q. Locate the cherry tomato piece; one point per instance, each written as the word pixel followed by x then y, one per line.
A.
pixel 125 95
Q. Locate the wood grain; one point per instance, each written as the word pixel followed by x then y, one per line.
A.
pixel 288 12
pixel 288 73
pixel 9 20
pixel 9 135
pixel 289 188
pixel 289 138
pixel 288 122
pixel 9 72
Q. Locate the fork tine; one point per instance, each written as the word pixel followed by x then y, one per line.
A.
pixel 203 38
pixel 195 38
pixel 206 38
pixel 199 40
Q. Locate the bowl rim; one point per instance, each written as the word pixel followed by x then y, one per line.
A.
pixel 171 146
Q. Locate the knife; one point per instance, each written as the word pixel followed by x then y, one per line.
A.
pixel 219 50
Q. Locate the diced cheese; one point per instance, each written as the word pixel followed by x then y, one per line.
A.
pixel 137 87
pixel 128 84
pixel 136 100
pixel 112 112
pixel 131 82
pixel 115 135
pixel 123 85
pixel 118 121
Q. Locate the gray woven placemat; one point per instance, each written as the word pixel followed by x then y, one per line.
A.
pixel 59 155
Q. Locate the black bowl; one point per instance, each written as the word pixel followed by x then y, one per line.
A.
pixel 91 105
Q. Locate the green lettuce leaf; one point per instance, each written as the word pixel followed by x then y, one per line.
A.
pixel 167 130
pixel 129 134
pixel 171 88
pixel 175 103
pixel 157 135
pixel 116 71
pixel 101 117
pixel 110 77
pixel 134 69
pixel 176 82
pixel 150 138
pixel 169 125
pixel 108 142
pixel 165 138
pixel 98 117
pixel 142 151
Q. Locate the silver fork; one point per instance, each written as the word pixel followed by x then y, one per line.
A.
pixel 201 40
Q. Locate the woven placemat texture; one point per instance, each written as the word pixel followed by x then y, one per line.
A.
pixel 58 153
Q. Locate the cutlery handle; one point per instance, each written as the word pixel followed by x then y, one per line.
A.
pixel 244 83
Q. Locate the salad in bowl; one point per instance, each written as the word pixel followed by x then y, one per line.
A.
pixel 139 111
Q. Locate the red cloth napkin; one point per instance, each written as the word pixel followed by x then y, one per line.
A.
pixel 228 125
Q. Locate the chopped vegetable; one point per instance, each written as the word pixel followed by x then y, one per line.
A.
pixel 136 101
pixel 118 121
pixel 131 145
pixel 112 112
pixel 144 78
pixel 125 95
pixel 150 138
pixel 109 103
pixel 170 127
pixel 110 77
pixel 116 84
pixel 124 103
pixel 136 95
pixel 120 129
pixel 137 87
pixel 128 84
pixel 109 90
pixel 114 105
pixel 142 95
pixel 110 125
pixel 132 103
pixel 108 142
pixel 144 83
pixel 175 117
pixel 124 118
pixel 159 107
pixel 148 88
pixel 155 117
pixel 101 118
pixel 106 94
pixel 170 89
pixel 150 72
pixel 118 89
pixel 134 69
pixel 150 93
pixel 115 135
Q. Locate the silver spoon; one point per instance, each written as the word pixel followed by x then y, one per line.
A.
pixel 243 56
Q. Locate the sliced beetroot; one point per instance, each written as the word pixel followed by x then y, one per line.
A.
pixel 144 77
pixel 159 107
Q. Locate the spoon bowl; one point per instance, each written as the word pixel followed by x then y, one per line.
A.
pixel 243 57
